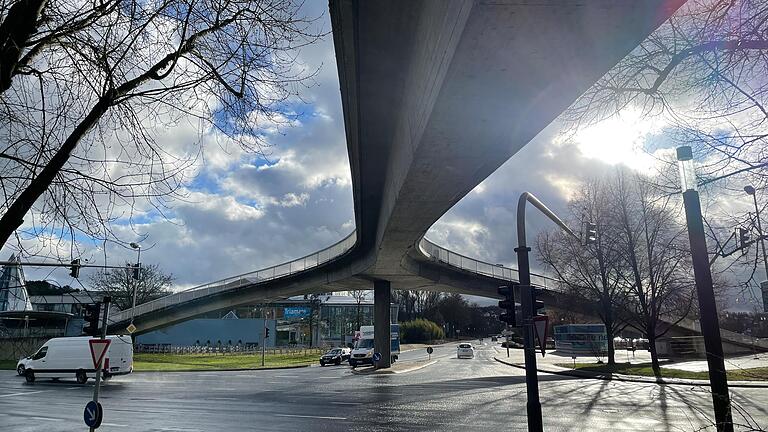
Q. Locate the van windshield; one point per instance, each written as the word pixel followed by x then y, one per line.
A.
pixel 364 344
pixel 40 353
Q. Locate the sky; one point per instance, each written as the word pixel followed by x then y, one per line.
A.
pixel 243 213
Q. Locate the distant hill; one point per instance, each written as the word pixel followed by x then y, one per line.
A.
pixel 41 287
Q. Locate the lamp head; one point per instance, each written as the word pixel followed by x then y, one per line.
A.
pixel 749 190
pixel 135 245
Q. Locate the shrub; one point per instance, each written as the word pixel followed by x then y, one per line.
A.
pixel 420 331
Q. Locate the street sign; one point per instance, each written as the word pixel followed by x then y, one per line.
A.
pixel 376 356
pixel 430 350
pixel 93 414
pixel 131 328
pixel 98 349
pixel 540 327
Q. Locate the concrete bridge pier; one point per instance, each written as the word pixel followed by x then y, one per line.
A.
pixel 382 298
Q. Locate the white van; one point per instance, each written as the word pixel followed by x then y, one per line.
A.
pixel 71 356
pixel 362 353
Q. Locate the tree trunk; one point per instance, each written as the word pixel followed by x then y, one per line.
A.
pixel 18 26
pixel 611 348
pixel 651 334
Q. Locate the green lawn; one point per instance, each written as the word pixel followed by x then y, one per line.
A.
pixel 189 362
pixel 8 364
pixel 644 369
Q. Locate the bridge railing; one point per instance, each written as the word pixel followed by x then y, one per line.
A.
pixel 277 271
pixel 496 271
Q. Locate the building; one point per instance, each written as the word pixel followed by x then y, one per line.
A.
pixel 323 320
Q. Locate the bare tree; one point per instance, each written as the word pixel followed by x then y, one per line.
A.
pixel 87 88
pixel 595 271
pixel 119 284
pixel 359 296
pixel 656 253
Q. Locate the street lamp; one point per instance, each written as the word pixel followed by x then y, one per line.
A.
pixel 135 284
pixel 764 285
pixel 710 328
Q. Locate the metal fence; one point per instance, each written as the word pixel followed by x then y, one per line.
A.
pixel 224 349
pixel 277 271
pixel 496 271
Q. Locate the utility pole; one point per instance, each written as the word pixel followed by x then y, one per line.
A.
pixel 710 327
pixel 527 300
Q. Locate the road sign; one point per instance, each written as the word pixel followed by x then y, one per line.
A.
pixel 98 349
pixel 430 350
pixel 376 356
pixel 131 328
pixel 540 327
pixel 93 414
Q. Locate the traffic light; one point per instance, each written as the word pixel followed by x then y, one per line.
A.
pixel 744 238
pixel 538 305
pixel 92 315
pixel 508 305
pixel 136 271
pixel 266 332
pixel 590 233
pixel 74 270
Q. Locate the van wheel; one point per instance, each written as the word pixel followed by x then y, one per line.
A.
pixel 29 375
pixel 81 377
pixel 20 370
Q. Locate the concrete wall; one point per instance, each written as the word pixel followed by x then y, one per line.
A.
pixel 201 331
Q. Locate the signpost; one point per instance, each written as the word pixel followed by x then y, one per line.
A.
pixel 376 357
pixel 430 351
pixel 93 413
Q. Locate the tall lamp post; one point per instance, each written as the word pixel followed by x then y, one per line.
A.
pixel 710 328
pixel 135 284
pixel 763 285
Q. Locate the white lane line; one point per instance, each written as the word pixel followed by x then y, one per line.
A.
pixel 22 393
pixel 72 388
pixel 114 424
pixel 286 376
pixel 310 416
pixel 45 418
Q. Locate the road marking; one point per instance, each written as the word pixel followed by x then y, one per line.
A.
pixel 72 388
pixel 22 393
pixel 224 398
pixel 45 418
pixel 114 424
pixel 286 376
pixel 311 416
pixel 347 403
pixel 327 377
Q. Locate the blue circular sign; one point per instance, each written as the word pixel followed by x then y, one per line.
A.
pixel 93 414
pixel 376 356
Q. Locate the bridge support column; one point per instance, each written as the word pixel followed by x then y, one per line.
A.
pixel 382 297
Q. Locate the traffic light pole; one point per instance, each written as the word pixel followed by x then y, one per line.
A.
pixel 533 405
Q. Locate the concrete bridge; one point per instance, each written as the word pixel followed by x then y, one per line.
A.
pixel 436 96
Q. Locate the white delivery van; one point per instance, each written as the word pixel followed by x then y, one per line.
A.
pixel 362 353
pixel 71 356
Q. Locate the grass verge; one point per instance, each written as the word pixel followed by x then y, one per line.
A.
pixel 195 362
pixel 8 364
pixel 644 369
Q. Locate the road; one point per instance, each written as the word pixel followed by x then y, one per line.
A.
pixel 451 395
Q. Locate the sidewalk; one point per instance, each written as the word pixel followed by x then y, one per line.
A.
pixel 547 365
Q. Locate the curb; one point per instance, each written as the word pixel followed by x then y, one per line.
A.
pixel 371 371
pixel 224 370
pixel 643 380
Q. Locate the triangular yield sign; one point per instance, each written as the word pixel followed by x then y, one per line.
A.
pixel 541 326
pixel 98 349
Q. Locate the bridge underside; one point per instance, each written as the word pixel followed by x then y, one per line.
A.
pixel 436 96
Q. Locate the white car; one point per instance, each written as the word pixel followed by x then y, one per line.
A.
pixel 465 350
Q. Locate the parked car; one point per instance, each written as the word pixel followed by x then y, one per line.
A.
pixel 71 356
pixel 465 350
pixel 335 356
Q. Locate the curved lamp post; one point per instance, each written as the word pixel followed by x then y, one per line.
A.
pixel 710 328
pixel 750 190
